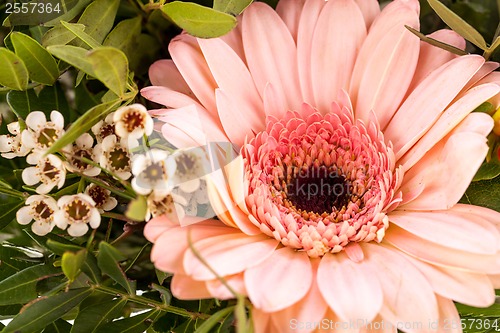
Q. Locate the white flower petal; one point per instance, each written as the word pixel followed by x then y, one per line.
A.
pixel 41 228
pixel 60 219
pixel 35 120
pixel 23 215
pixel 85 141
pixel 30 176
pixel 95 218
pixel 57 118
pixel 78 229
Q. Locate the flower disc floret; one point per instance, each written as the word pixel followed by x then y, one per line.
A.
pixel 76 213
pixel 133 121
pixel 48 170
pixel 40 134
pixel 41 210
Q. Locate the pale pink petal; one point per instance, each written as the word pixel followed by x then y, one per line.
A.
pixel 408 297
pixel 333 51
pixel 189 60
pixel 483 72
pixel 261 321
pixel 379 325
pixel 441 255
pixel 432 57
pixel 235 171
pixel 461 286
pixel 218 290
pixel 311 309
pixel 274 103
pixel 234 39
pixel 487 214
pixel 493 77
pixel 184 287
pixel 449 319
pixel 380 81
pixel 164 73
pixel 168 97
pixel 227 254
pixel 267 40
pixel 168 252
pixel 421 109
pixel 370 10
pixel 454 230
pixel 449 120
pixel 307 25
pixel 280 281
pixel 290 12
pixel 346 285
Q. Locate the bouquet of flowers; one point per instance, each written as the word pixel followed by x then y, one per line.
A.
pixel 249 166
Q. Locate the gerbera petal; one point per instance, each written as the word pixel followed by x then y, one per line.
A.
pixel 333 51
pixel 352 285
pixel 432 57
pixel 164 73
pixel 421 109
pixel 290 11
pixel 227 254
pixel 441 255
pixel 380 81
pixel 408 297
pixel 184 287
pixel 449 319
pixel 266 40
pixel 189 60
pixel 456 231
pixel 168 97
pixel 370 10
pixel 280 281
pixel 448 121
pixel 464 287
pixel 218 290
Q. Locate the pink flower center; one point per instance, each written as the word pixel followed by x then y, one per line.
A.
pixel 318 183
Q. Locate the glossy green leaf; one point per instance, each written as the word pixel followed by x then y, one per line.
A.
pixel 73 55
pixel 33 14
pixel 60 35
pixel 49 98
pixel 94 316
pixel 41 66
pixel 20 288
pixel 9 311
pixel 484 193
pixel 125 36
pixel 198 20
pixel 10 263
pixel 59 247
pixel 46 310
pixel 456 23
pixel 83 124
pixel 108 261
pixel 8 212
pixel 215 319
pixel 233 7
pixel 59 326
pixel 137 208
pixel 99 17
pixel 73 9
pixel 110 66
pixel 81 35
pixel 72 262
pixel 135 324
pixel 13 72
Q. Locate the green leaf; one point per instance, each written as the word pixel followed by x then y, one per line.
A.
pixel 9 311
pixel 107 260
pixel 13 72
pixel 233 7
pixel 110 66
pixel 50 98
pixel 41 66
pixel 59 326
pixel 73 55
pixel 96 315
pixel 135 324
pixel 214 320
pixel 484 193
pixel 20 288
pixel 11 262
pixel 125 36
pixel 82 35
pixel 8 212
pixel 60 35
pixel 35 15
pixel 46 310
pixel 161 276
pixel 59 247
pixel 83 124
pixel 99 17
pixel 137 208
pixel 73 9
pixel 72 262
pixel 198 20
pixel 456 23
pixel 488 170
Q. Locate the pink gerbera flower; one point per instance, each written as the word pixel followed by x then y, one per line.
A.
pixel 357 141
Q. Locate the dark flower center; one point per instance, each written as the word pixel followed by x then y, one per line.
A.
pixel 133 120
pixel 99 195
pixel 50 171
pixel 78 210
pixel 43 211
pixel 119 159
pixel 47 136
pixel 78 162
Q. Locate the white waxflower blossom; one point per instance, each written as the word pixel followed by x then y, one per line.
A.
pixel 195 199
pixel 40 134
pixel 114 156
pixel 133 121
pixel 153 172
pixel 81 148
pixel 170 205
pixel 104 128
pixel 192 165
pixel 10 144
pixel 41 209
pixel 76 212
pixel 102 197
pixel 48 170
